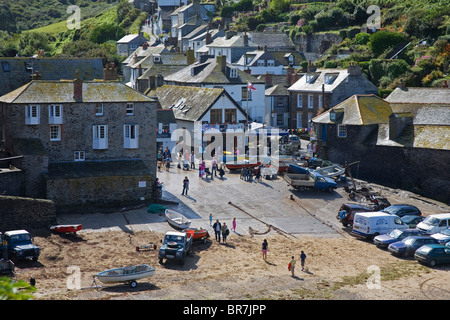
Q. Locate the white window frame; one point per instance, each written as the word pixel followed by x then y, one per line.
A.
pixel 52 135
pixel 99 109
pixel 129 109
pixel 233 73
pixel 100 137
pixel 299 120
pixel 270 63
pixel 320 101
pixel 79 156
pixel 131 136
pixel 32 114
pixel 299 100
pixel 310 101
pixel 55 114
pixel 342 131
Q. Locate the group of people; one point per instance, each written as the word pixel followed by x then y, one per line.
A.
pixel 248 173
pixel 221 230
pixel 291 266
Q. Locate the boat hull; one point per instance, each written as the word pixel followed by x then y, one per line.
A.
pixel 197 233
pixel 176 219
pixel 120 275
pixel 66 228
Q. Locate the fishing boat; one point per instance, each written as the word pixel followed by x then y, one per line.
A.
pixel 126 274
pixel 297 167
pixel 197 234
pixel 332 171
pixel 176 219
pixel 66 228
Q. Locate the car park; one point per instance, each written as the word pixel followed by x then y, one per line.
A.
pixel 443 237
pixel 384 240
pixel 435 223
pixel 408 246
pixel 401 210
pixel 412 221
pixel 433 254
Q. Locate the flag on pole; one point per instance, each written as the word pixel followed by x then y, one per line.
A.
pixel 250 86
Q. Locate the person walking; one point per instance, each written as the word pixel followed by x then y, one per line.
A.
pixel 265 248
pixel 292 266
pixel 192 160
pixel 210 219
pixel 217 229
pixel 225 232
pixel 234 225
pixel 185 186
pixel 214 167
pixel 302 260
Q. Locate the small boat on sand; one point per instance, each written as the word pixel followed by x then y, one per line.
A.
pixel 176 219
pixel 66 228
pixel 197 234
pixel 126 274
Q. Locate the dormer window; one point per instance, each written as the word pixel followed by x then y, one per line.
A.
pixel 311 77
pixel 330 77
pixel 233 73
pixel 156 58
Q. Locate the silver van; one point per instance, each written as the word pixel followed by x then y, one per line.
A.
pixel 435 223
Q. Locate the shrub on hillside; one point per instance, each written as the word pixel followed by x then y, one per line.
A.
pixel 383 40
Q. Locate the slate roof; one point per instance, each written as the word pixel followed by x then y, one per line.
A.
pixel 420 96
pixel 21 69
pixel 40 91
pixel 257 55
pixel 234 41
pixel 358 110
pixel 189 103
pixel 210 72
pixel 273 41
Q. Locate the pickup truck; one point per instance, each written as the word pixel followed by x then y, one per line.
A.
pixel 175 246
pixel 17 245
pixel 310 180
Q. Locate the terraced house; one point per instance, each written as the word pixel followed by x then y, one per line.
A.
pixel 81 143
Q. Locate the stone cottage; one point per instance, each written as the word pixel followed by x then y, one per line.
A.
pixel 82 143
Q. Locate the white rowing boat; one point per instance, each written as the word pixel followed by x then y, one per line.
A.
pixel 177 220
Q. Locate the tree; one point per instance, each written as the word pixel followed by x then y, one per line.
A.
pixel 382 40
pixel 106 32
pixel 15 290
pixel 31 42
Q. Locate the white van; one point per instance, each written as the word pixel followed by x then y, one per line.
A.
pixel 435 223
pixel 370 224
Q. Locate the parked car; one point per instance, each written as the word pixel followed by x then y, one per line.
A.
pixel 401 210
pixel 435 223
pixel 412 221
pixel 408 246
pixel 433 254
pixel 384 240
pixel 347 212
pixel 443 237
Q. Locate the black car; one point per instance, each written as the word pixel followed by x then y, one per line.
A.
pixel 408 246
pixel 401 210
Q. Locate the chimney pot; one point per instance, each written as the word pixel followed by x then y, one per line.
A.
pixel 78 88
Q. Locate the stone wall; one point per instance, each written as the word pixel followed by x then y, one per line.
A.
pixel 317 42
pixel 420 170
pixel 90 194
pixel 26 213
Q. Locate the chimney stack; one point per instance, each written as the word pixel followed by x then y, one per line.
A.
pixel 445 85
pixel 245 40
pixel 354 70
pixel 222 62
pixel 208 37
pixel 78 88
pixel 190 58
pixel 311 67
pixel 110 72
pixel 401 85
pixel 268 79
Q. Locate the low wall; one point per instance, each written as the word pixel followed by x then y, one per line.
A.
pixel 26 213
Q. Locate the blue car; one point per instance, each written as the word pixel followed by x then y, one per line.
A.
pixel 433 254
pixel 384 240
pixel 443 237
pixel 408 246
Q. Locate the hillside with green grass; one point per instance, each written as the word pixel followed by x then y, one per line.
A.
pixel 96 36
